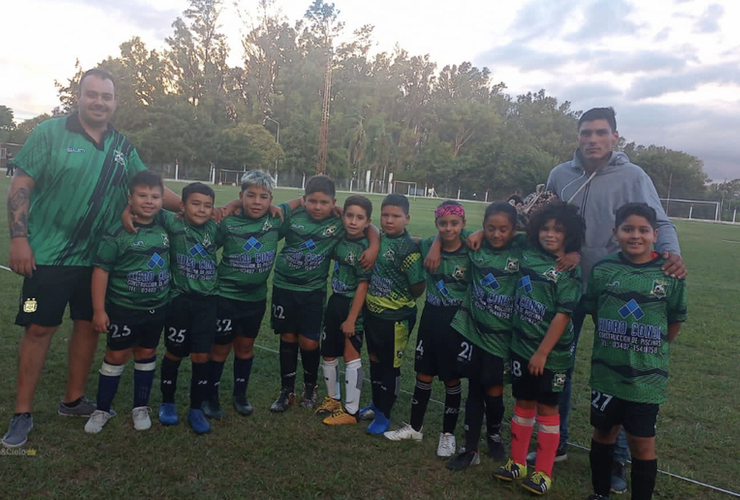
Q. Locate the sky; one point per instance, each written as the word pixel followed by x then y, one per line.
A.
pixel 670 68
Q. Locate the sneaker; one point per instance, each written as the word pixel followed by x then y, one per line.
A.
pixel 140 416
pixel 464 460
pixel 404 433
pixel 538 483
pixel 96 421
pixel 20 426
pixel 560 456
pixel 168 414
pixel 594 496
pixel 447 445
pixel 496 447
pixel 619 478
pixel 198 422
pixel 328 406
pixel 308 398
pixel 212 408
pixel 379 425
pixel 242 406
pixel 511 471
pixel 368 412
pixel 341 417
pixel 84 408
pixel 283 401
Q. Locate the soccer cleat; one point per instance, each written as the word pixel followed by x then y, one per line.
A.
pixel 341 417
pixel 97 420
pixel 198 421
pixel 168 414
pixel 538 483
pixel 510 471
pixel 140 416
pixel 464 460
pixel 560 456
pixel 404 433
pixel 379 425
pixel 328 406
pixel 242 406
pixel 594 496
pixel 20 426
pixel 496 448
pixel 212 408
pixel 368 412
pixel 619 478
pixel 308 398
pixel 447 445
pixel 283 401
pixel 84 408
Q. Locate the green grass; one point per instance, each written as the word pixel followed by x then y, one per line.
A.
pixel 295 456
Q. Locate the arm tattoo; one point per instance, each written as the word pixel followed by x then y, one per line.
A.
pixel 18 203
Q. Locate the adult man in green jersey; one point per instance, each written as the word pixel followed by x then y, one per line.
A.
pixel 70 185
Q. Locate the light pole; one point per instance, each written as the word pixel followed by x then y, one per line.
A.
pixel 277 140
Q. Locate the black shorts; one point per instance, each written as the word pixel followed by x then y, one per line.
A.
pixel 134 328
pixel 479 365
pixel 638 419
pixel 438 344
pixel 332 338
pixel 387 338
pixel 298 312
pixel 544 389
pixel 238 318
pixel 190 325
pixel 45 295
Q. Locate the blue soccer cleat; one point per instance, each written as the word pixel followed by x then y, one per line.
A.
pixel 379 425
pixel 168 414
pixel 198 422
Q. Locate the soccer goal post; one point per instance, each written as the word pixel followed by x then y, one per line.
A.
pixel 233 177
pixel 407 188
pixel 691 209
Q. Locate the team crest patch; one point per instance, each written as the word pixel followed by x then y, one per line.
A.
pixel 558 382
pixel 119 158
pixel 399 354
pixel 329 231
pixel 389 254
pixel 659 288
pixel 551 274
pixel 165 240
pixel 206 241
pixel 512 265
pixel 30 305
pixel 350 258
pixel 266 226
pixel 459 273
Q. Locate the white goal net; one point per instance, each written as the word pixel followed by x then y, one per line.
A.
pixel 691 209
pixel 406 188
pixel 233 177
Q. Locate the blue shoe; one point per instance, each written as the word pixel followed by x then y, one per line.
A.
pixel 168 414
pixel 380 425
pixel 368 412
pixel 619 478
pixel 198 421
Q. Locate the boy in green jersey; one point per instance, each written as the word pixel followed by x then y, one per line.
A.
pixel 343 332
pixel 638 311
pixel 130 287
pixel 190 323
pixel 396 283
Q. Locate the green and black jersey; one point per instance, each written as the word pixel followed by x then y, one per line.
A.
pixel 304 261
pixel 541 293
pixel 397 268
pixel 138 266
pixel 193 256
pixel 249 251
pixel 632 305
pixel 347 271
pixel 80 190
pixel 449 285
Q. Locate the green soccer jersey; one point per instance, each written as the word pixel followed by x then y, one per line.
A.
pixel 249 250
pixel 449 285
pixel 397 268
pixel 138 266
pixel 193 256
pixel 541 293
pixel 632 305
pixel 304 261
pixel 485 314
pixel 80 190
pixel 347 271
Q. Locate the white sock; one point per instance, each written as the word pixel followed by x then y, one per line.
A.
pixel 353 382
pixel 330 377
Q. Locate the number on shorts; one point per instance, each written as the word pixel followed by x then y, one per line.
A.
pixel 176 336
pixel 116 333
pixel 223 325
pixel 278 312
pixel 467 351
pixel 516 369
pixel 599 400
pixel 420 347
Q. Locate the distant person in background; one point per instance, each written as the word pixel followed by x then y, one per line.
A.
pixel 9 166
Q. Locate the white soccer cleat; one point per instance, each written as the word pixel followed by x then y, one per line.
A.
pixel 97 421
pixel 140 415
pixel 447 445
pixel 404 433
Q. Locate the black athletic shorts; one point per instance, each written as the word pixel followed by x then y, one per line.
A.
pixel 190 325
pixel 47 292
pixel 638 419
pixel 238 318
pixel 544 389
pixel 134 328
pixel 298 312
pixel 437 343
pixel 332 338
pixel 387 338
pixel 475 363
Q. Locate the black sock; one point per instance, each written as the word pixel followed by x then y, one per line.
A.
pixel 288 364
pixel 376 372
pixel 74 403
pixel 643 478
pixel 419 403
pixel 143 380
pixel 601 457
pixel 494 413
pixel 453 397
pixel 242 371
pixel 311 361
pixel 473 416
pixel 198 385
pixel 168 383
pixel 391 381
pixel 215 369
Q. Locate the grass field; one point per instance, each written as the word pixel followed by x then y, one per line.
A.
pixel 295 456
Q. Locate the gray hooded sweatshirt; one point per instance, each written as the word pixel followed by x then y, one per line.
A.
pixel 616 183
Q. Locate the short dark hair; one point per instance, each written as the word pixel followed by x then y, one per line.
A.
pixel 146 178
pixel 515 198
pixel 592 114
pixel 396 200
pixel 321 184
pixel 566 216
pixel 501 207
pixel 199 188
pixel 100 73
pixel 359 201
pixel 640 209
